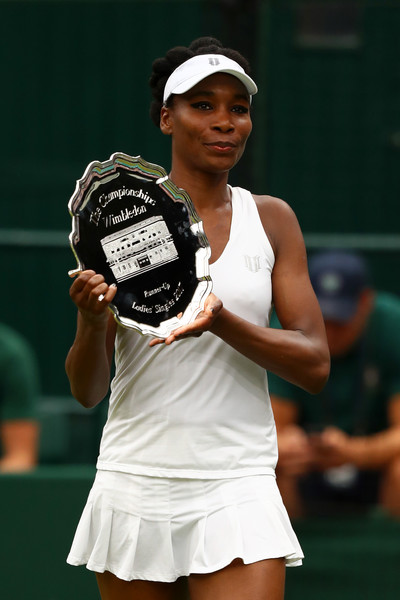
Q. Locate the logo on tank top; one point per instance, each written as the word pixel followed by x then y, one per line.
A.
pixel 252 263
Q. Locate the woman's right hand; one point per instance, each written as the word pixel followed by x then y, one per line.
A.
pixel 92 296
pixel 88 363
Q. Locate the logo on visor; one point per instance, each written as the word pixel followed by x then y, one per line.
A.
pixel 213 61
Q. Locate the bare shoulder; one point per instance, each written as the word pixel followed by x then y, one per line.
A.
pixel 272 206
pixel 277 217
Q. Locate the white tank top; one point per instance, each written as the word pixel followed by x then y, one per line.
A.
pixel 198 408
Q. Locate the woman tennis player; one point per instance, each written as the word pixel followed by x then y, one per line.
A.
pixel 185 482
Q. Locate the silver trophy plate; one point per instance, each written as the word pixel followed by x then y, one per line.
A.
pixel 140 231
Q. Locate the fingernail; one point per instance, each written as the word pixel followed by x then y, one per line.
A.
pixel 73 272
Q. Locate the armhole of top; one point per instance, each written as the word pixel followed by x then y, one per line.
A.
pixel 263 233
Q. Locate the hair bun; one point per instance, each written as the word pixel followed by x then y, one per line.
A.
pixel 205 42
pixel 178 55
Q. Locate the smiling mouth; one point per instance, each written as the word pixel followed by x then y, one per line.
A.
pixel 221 146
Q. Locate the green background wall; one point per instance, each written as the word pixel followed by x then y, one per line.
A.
pixel 74 89
pixel 326 139
pixel 334 119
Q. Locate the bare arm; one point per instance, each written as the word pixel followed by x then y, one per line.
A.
pixel 88 364
pixel 366 452
pixel 19 439
pixel 298 352
pixel 291 354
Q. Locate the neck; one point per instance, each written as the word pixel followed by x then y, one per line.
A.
pixel 198 186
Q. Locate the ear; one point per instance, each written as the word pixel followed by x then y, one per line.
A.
pixel 166 121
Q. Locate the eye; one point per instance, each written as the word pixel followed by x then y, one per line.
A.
pixel 239 108
pixel 202 105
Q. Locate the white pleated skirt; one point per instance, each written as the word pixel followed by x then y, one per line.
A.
pixel 159 529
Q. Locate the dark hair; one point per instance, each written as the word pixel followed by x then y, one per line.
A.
pixel 163 67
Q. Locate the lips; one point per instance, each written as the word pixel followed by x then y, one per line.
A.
pixel 220 146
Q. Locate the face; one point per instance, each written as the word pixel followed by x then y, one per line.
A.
pixel 209 125
pixel 342 336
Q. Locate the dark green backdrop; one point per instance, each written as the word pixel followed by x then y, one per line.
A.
pixel 326 139
pixel 74 89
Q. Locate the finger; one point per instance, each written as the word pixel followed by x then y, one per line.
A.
pixel 108 294
pixel 83 278
pixel 93 285
pixel 170 339
pixel 156 342
pixel 187 334
pixel 198 325
pixel 78 272
pixel 213 309
pixel 74 272
pixel 212 305
pixel 102 295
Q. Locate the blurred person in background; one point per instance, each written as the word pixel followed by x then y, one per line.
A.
pixel 19 392
pixel 339 451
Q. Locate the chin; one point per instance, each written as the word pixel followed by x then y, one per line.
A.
pixel 224 164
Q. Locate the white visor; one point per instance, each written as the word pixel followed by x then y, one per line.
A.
pixel 197 68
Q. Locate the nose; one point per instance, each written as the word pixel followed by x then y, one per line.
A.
pixel 223 121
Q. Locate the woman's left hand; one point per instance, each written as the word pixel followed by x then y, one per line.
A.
pixel 202 322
